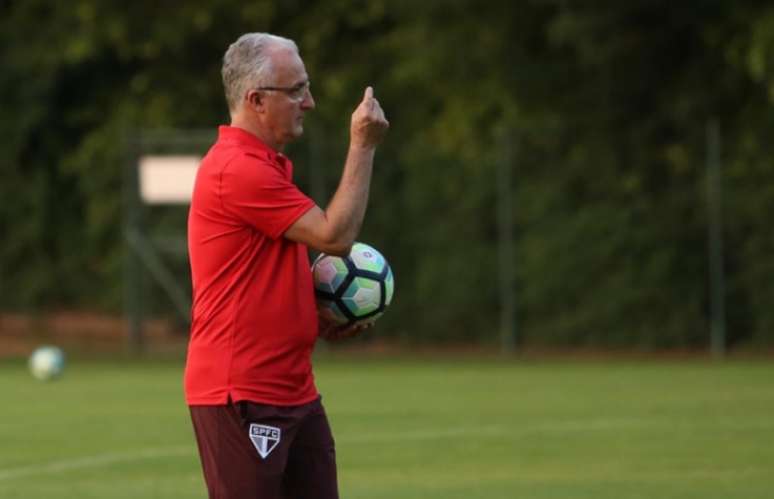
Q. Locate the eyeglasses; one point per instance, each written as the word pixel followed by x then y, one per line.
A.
pixel 296 92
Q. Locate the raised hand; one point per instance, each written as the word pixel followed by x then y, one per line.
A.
pixel 369 124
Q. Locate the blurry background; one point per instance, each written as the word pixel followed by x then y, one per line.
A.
pixel 559 176
pixel 544 182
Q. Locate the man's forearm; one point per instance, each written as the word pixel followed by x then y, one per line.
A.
pixel 347 208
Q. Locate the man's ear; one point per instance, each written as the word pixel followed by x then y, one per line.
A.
pixel 254 100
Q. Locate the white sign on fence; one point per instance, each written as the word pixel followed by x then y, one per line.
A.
pixel 167 179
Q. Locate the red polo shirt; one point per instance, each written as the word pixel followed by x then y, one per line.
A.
pixel 254 319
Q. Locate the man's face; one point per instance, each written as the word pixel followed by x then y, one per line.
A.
pixel 284 109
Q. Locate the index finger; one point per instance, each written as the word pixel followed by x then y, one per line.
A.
pixel 369 93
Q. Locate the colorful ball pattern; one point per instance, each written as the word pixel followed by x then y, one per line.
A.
pixel 353 289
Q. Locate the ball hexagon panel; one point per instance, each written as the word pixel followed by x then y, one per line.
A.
pixel 389 287
pixel 329 273
pixel 331 311
pixel 366 258
pixel 362 296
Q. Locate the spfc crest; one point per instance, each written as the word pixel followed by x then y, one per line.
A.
pixel 264 438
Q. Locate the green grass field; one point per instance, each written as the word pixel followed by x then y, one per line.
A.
pixel 417 429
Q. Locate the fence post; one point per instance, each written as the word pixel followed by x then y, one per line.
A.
pixel 715 241
pixel 506 253
pixel 133 277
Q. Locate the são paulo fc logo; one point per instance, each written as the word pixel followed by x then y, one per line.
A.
pixel 264 438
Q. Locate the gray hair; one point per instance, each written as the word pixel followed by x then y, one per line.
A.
pixel 247 64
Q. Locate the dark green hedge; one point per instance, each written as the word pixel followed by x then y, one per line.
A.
pixel 607 106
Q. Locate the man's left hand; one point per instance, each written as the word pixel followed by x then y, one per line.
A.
pixel 334 332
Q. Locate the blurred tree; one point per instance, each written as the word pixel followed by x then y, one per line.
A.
pixel 608 102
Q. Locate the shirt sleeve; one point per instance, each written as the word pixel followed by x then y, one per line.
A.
pixel 260 194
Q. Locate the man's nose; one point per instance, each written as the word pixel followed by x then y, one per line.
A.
pixel 308 102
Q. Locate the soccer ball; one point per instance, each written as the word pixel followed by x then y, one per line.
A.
pixel 353 289
pixel 47 363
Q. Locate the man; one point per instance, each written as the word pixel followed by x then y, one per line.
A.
pixel 260 426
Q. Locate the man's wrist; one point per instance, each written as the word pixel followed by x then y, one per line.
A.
pixel 361 149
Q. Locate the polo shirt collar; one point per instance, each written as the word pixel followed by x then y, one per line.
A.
pixel 242 136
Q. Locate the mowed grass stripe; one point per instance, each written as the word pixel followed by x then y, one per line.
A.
pixel 415 429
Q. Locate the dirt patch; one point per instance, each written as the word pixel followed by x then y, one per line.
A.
pixel 82 331
pixel 96 334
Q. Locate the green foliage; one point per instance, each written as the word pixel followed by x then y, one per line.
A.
pixel 607 106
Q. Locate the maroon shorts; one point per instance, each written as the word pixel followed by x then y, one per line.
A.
pixel 257 451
